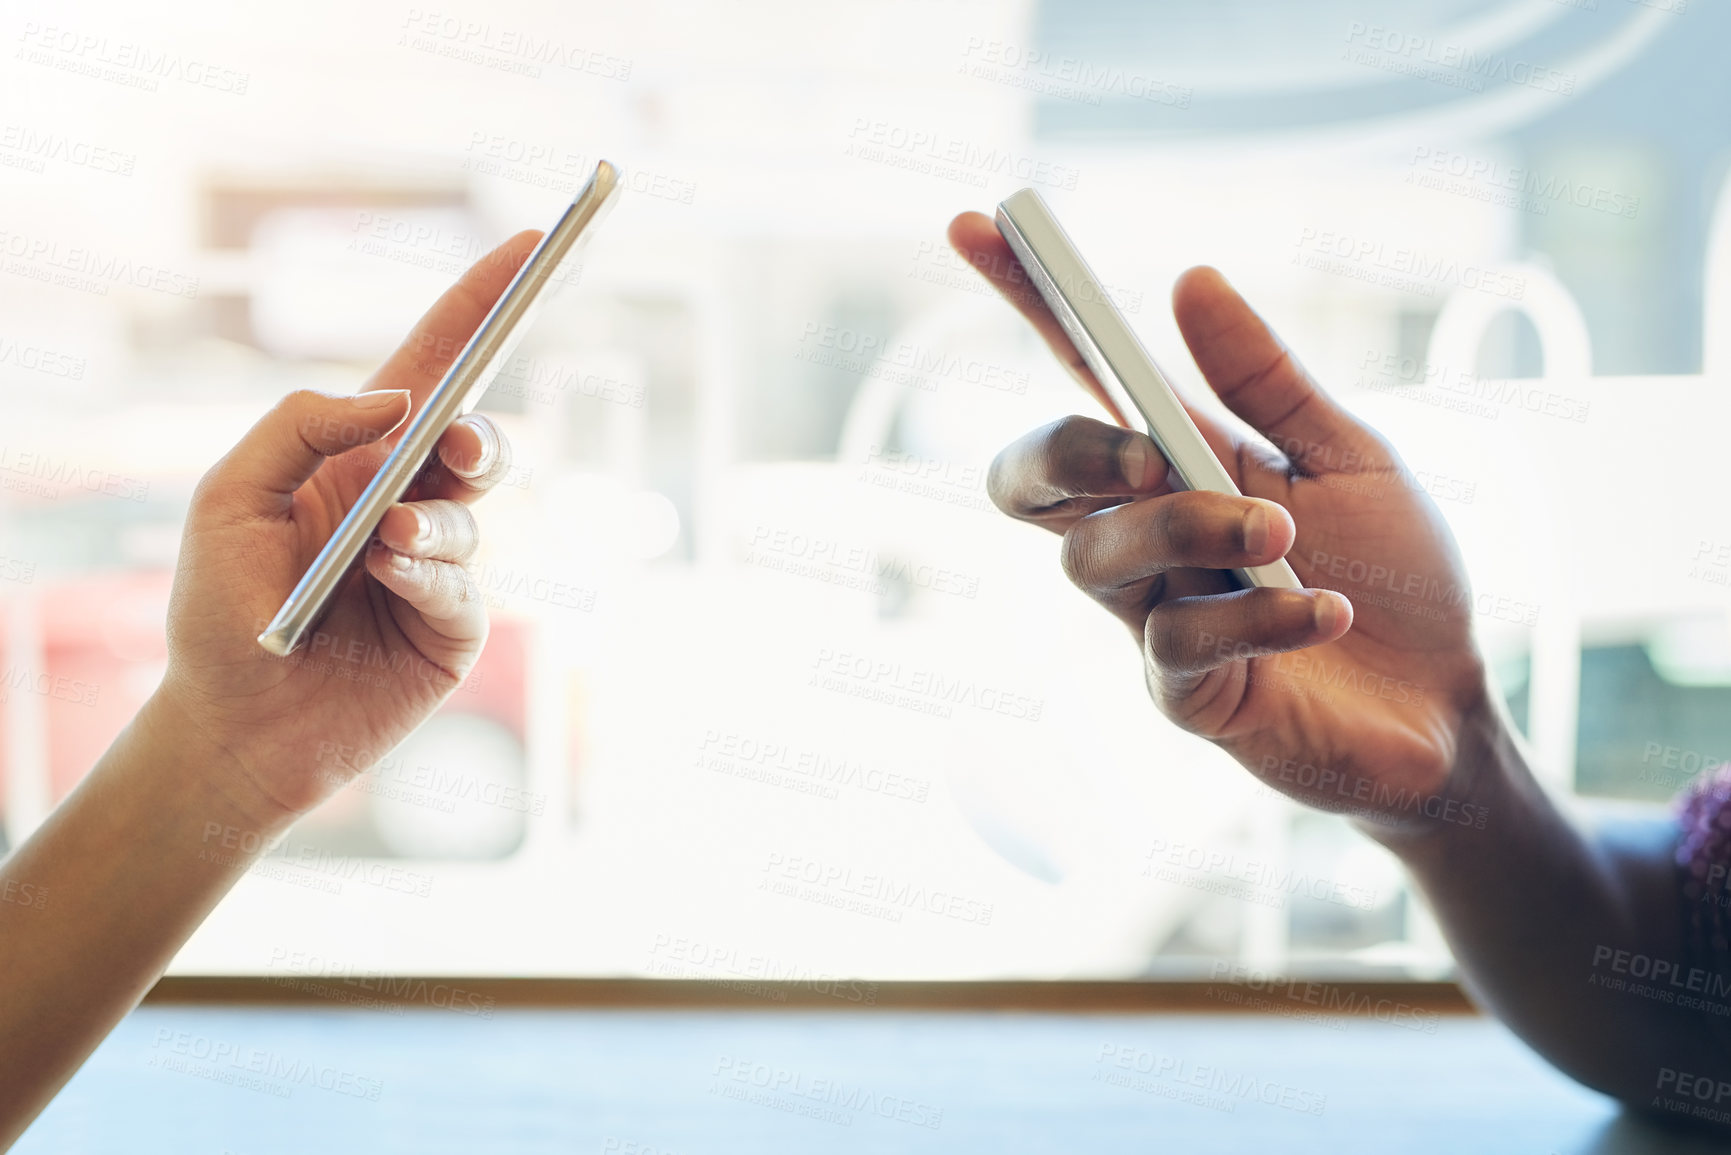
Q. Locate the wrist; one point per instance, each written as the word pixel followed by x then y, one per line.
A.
pixel 1488 784
pixel 187 741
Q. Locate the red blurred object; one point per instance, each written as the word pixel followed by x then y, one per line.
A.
pixel 87 652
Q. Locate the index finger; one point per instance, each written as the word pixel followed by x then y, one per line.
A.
pixel 977 239
pixel 421 360
pixel 1061 472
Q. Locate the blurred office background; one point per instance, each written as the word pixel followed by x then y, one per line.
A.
pixel 773 691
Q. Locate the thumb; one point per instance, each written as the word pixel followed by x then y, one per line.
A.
pixel 1259 380
pixel 259 476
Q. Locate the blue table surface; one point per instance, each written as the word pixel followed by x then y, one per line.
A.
pixel 253 1080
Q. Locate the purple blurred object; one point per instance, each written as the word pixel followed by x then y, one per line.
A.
pixel 1703 859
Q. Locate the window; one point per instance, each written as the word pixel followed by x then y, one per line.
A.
pixel 773 689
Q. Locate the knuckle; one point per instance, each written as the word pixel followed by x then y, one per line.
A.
pixel 1097 555
pixel 460 529
pixel 447 519
pixel 301 401
pixel 1181 526
pixel 1066 457
pixel 459 587
pixel 1077 554
pixel 1000 480
pixel 1070 442
pixel 1162 639
pixel 442 588
pixel 209 490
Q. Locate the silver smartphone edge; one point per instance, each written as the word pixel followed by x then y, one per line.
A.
pixel 1112 350
pixel 456 393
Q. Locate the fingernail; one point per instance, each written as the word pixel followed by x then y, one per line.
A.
pixel 1324 613
pixel 402 563
pixel 423 527
pixel 1255 530
pixel 378 398
pixel 1134 458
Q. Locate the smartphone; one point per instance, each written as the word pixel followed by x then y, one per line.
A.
pixel 456 394
pixel 1125 370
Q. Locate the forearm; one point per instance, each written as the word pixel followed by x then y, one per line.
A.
pixel 1535 909
pixel 120 875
